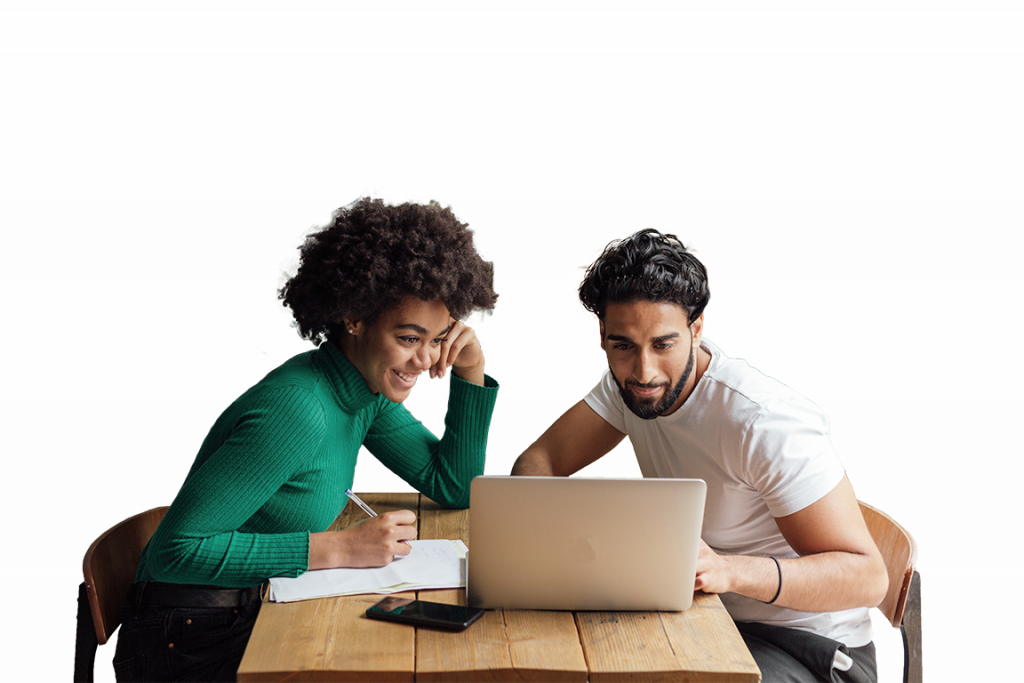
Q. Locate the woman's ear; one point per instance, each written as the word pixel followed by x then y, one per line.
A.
pixel 355 327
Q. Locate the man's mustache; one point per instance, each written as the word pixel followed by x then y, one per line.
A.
pixel 638 385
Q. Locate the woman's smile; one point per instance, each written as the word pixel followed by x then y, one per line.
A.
pixel 407 379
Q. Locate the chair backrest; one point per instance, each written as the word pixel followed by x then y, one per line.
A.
pixel 110 565
pixel 899 551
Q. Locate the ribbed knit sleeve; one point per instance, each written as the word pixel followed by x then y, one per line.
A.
pixel 265 442
pixel 440 469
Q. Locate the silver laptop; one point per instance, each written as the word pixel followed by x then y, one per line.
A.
pixel 560 543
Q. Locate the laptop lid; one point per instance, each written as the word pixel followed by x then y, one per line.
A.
pixel 571 543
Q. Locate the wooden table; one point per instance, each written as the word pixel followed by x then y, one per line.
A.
pixel 331 640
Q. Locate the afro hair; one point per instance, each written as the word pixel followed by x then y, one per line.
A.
pixel 372 255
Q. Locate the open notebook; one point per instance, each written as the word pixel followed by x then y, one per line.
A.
pixel 431 564
pixel 584 544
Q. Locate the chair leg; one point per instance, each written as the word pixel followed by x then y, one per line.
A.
pixel 911 629
pixel 85 639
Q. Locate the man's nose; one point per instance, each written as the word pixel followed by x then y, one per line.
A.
pixel 644 370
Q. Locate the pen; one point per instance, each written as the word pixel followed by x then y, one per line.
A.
pixel 355 499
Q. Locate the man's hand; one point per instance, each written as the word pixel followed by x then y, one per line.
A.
pixel 712 571
pixel 372 542
pixel 725 573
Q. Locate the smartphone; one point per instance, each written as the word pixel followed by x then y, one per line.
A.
pixel 426 614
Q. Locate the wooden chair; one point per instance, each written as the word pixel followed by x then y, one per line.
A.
pixel 902 602
pixel 109 570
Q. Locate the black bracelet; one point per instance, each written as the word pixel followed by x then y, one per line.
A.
pixel 779 567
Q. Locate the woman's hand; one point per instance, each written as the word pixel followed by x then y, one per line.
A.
pixel 461 351
pixel 372 542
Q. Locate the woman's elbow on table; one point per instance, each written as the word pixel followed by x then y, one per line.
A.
pixel 451 492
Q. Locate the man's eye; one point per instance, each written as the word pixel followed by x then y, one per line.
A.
pixel 621 347
pixel 663 346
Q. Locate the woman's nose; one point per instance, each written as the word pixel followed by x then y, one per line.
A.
pixel 425 357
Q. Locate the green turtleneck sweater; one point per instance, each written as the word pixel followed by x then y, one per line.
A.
pixel 275 466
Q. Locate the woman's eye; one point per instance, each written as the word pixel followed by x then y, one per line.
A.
pixel 439 341
pixel 410 340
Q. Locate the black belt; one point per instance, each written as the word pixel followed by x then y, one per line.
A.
pixel 159 594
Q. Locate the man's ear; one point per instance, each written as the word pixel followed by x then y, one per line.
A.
pixel 697 326
pixel 600 326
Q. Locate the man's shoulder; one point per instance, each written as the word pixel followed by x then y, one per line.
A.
pixel 745 393
pixel 742 381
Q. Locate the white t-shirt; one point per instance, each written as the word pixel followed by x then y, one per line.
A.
pixel 764 451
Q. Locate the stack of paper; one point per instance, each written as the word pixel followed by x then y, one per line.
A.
pixel 432 563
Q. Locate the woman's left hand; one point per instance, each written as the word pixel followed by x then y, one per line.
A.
pixel 460 351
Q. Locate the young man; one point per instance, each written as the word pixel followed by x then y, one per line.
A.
pixel 783 538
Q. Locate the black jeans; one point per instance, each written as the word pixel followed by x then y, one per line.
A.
pixel 786 655
pixel 158 643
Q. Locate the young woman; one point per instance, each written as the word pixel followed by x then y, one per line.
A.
pixel 380 292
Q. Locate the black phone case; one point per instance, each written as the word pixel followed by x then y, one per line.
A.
pixel 425 621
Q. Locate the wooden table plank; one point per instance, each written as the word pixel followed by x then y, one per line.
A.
pixel 479 653
pixel 627 646
pixel 697 645
pixel 545 646
pixel 704 638
pixel 438 522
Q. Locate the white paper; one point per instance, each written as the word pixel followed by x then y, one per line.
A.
pixel 433 563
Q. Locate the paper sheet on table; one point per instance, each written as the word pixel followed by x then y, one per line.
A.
pixel 433 563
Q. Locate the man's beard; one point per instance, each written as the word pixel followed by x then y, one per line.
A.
pixel 648 410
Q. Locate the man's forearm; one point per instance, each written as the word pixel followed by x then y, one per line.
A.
pixel 533 463
pixel 825 582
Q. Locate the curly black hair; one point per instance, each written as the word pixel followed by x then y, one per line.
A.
pixel 372 255
pixel 646 266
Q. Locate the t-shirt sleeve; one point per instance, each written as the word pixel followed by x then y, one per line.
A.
pixel 789 457
pixel 606 401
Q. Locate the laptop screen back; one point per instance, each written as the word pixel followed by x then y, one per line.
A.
pixel 584 544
